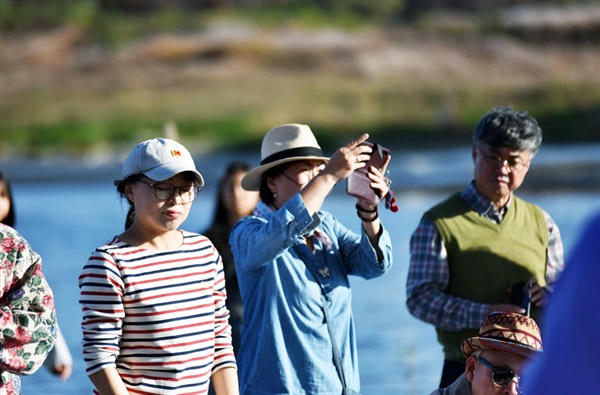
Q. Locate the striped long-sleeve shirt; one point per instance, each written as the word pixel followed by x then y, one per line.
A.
pixel 158 317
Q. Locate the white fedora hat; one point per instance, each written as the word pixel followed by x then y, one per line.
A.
pixel 283 143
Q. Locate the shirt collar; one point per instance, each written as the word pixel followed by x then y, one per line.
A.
pixel 262 209
pixel 481 204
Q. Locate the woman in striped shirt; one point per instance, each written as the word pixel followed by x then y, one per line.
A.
pixel 153 297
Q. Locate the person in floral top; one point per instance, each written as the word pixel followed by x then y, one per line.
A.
pixel 27 315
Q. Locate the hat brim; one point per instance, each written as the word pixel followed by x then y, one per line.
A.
pixel 474 344
pixel 168 170
pixel 252 180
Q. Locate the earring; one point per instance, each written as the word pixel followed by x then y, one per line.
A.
pixel 274 195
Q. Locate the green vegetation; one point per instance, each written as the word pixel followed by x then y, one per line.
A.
pixel 76 78
pixel 20 16
pixel 110 25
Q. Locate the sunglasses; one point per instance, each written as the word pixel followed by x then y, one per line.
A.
pixel 500 376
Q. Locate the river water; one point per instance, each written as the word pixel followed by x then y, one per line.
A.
pixel 66 218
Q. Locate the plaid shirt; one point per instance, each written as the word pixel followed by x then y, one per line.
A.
pixel 428 274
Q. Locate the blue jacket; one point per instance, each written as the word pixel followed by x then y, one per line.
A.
pixel 285 345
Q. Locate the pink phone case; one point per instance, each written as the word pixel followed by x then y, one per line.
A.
pixel 358 184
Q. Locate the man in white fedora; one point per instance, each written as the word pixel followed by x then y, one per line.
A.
pixel 497 356
pixel 293 262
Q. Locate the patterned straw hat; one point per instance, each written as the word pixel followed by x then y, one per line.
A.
pixel 510 332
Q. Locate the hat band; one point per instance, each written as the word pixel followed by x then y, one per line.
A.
pixel 513 341
pixel 291 153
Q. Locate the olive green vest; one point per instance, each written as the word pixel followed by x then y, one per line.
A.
pixel 485 259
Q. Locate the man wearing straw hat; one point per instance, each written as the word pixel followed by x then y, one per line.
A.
pixel 496 357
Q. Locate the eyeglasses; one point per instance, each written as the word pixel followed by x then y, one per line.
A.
pixel 165 191
pixel 501 376
pixel 493 161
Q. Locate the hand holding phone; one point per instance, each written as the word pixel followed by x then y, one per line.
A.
pixel 358 184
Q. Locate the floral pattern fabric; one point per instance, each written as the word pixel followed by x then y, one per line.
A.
pixel 27 315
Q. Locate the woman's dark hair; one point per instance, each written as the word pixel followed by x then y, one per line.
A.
pixel 221 216
pixel 505 127
pixel 10 218
pixel 121 189
pixel 130 180
pixel 266 195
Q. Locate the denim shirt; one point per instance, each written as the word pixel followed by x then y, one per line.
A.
pixel 285 345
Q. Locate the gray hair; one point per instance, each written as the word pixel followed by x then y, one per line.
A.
pixel 505 127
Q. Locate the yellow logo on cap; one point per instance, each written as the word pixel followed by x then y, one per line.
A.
pixel 176 153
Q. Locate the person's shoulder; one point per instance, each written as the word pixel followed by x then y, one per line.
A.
pixel 7 232
pixel 453 202
pixel 194 237
pixel 251 221
pixel 520 200
pixel 460 386
pixel 113 250
pixel 187 233
pixel 12 241
pixel 533 208
pixel 111 244
pixel 5 229
pixel 517 200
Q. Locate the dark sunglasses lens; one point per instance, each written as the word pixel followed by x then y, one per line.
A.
pixel 502 377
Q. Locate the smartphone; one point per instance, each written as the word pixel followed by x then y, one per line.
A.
pixel 358 184
pixel 521 297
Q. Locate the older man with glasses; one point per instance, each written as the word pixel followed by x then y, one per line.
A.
pixel 497 357
pixel 484 249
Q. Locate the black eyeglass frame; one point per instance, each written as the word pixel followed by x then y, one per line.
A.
pixel 500 371
pixel 157 187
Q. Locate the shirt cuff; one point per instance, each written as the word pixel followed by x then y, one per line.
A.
pixel 304 221
pixel 479 315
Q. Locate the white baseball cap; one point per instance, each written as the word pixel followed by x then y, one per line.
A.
pixel 160 159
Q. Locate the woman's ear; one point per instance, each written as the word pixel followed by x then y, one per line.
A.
pixel 271 184
pixel 128 189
